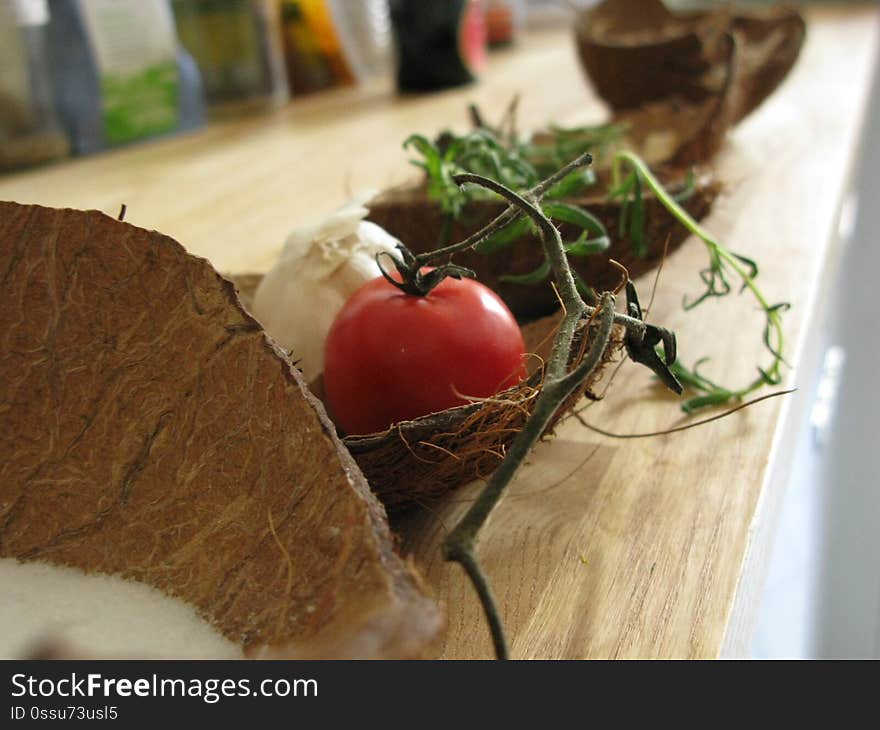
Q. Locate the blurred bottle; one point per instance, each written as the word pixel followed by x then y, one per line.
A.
pixel 237 46
pixel 30 131
pixel 118 72
pixel 504 18
pixel 439 44
pixel 334 42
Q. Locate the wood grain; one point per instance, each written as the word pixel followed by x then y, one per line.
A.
pixel 604 548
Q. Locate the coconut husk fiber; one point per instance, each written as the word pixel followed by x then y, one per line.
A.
pixel 416 462
pixel 150 429
pixel 411 216
pixel 635 52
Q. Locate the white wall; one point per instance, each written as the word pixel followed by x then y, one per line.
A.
pixel 822 597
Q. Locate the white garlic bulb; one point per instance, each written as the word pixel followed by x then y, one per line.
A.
pixel 319 268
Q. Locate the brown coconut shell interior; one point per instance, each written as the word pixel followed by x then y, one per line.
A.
pixel 636 52
pixel 681 132
pixel 150 429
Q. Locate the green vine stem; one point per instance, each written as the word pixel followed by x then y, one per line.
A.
pixel 559 383
pixel 717 285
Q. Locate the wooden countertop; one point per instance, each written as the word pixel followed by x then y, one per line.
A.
pixel 602 547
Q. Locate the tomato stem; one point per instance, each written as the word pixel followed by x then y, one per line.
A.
pixel 559 383
pixel 413 280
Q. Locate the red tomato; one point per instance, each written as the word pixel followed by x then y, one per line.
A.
pixel 392 356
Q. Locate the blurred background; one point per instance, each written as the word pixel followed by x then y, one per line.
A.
pixel 822 597
pixel 81 76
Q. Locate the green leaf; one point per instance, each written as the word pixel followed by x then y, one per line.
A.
pixel 454 149
pixel 426 149
pixel 637 222
pixel 572 184
pixel 533 277
pixel 622 191
pixel 623 188
pixel 768 378
pixel 587 246
pixel 703 401
pixel 748 263
pixel 692 378
pixel 688 189
pixel 521 167
pixel 575 216
pixel 504 237
pixel 773 311
pixel 421 143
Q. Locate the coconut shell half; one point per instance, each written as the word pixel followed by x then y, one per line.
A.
pixel 150 429
pixel 411 216
pixel 770 42
pixel 681 132
pixel 636 52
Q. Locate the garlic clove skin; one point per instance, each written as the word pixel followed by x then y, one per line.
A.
pixel 319 268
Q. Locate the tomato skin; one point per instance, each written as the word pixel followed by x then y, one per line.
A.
pixel 391 356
